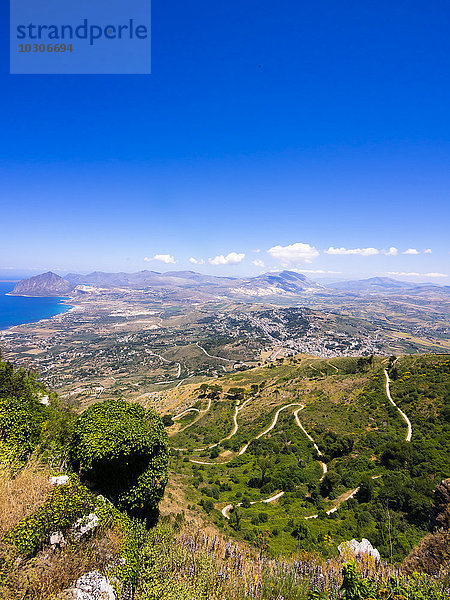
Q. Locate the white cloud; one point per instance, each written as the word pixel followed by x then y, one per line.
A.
pixel 233 258
pixel 257 250
pixel 393 251
pixel 194 261
pixel 165 258
pixel 427 251
pixel 411 251
pixel 258 263
pixel 360 251
pixel 404 274
pixel 294 254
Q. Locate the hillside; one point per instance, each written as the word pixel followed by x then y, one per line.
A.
pixel 310 434
pixel 281 284
pixel 314 449
pixel 46 284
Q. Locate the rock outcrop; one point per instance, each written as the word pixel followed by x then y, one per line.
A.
pixel 93 586
pixel 440 511
pixel 355 548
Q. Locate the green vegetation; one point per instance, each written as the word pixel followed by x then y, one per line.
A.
pixel 362 440
pixel 182 565
pixel 26 425
pixel 66 504
pixel 122 449
pixel 354 587
pixel 34 426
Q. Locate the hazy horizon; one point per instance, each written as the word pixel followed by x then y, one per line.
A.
pixel 317 277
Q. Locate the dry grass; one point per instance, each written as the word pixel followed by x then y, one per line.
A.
pixel 51 572
pixel 48 574
pixel 22 494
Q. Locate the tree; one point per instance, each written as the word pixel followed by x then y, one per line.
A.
pixel 235 518
pixel 207 504
pixel 121 449
pixel 167 420
pixel 27 425
pixel 396 455
pixel 329 483
pixel 300 531
pixel 393 373
pixel 264 464
pixel 365 492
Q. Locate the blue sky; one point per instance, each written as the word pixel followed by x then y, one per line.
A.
pixel 316 133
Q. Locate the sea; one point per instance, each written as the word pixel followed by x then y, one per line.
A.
pixel 18 310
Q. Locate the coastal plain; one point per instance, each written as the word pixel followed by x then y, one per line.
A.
pixel 141 342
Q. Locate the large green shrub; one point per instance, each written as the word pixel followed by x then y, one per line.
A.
pixel 21 423
pixel 122 450
pixel 26 425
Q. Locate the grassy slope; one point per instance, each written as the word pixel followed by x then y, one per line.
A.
pixel 350 403
pixel 192 566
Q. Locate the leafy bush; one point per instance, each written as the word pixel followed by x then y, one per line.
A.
pixel 26 425
pixel 207 504
pixel 65 505
pixel 123 450
pixel 354 587
pixel 167 421
pixel 21 421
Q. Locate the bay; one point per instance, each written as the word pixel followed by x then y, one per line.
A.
pixel 18 310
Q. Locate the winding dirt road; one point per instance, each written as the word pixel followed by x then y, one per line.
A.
pixel 226 510
pixel 297 420
pixel 210 355
pixel 235 429
pixel 404 417
pixel 343 498
pixel 178 365
pixel 184 412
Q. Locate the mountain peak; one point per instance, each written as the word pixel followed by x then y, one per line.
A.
pixel 45 284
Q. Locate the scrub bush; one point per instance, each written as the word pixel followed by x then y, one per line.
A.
pixel 121 450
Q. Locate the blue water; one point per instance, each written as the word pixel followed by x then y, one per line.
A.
pixel 17 310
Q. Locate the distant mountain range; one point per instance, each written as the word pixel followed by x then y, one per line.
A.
pixel 144 279
pixel 189 284
pixel 374 284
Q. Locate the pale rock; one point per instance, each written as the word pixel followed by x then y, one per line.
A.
pixel 94 586
pixel 85 524
pixel 57 539
pixel 359 548
pixel 59 479
pixel 44 400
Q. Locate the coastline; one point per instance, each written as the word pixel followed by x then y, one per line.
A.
pixel 29 296
pixel 63 300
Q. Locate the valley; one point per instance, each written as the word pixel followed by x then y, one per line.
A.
pixel 280 414
pixel 357 456
pixel 292 427
pixel 143 334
